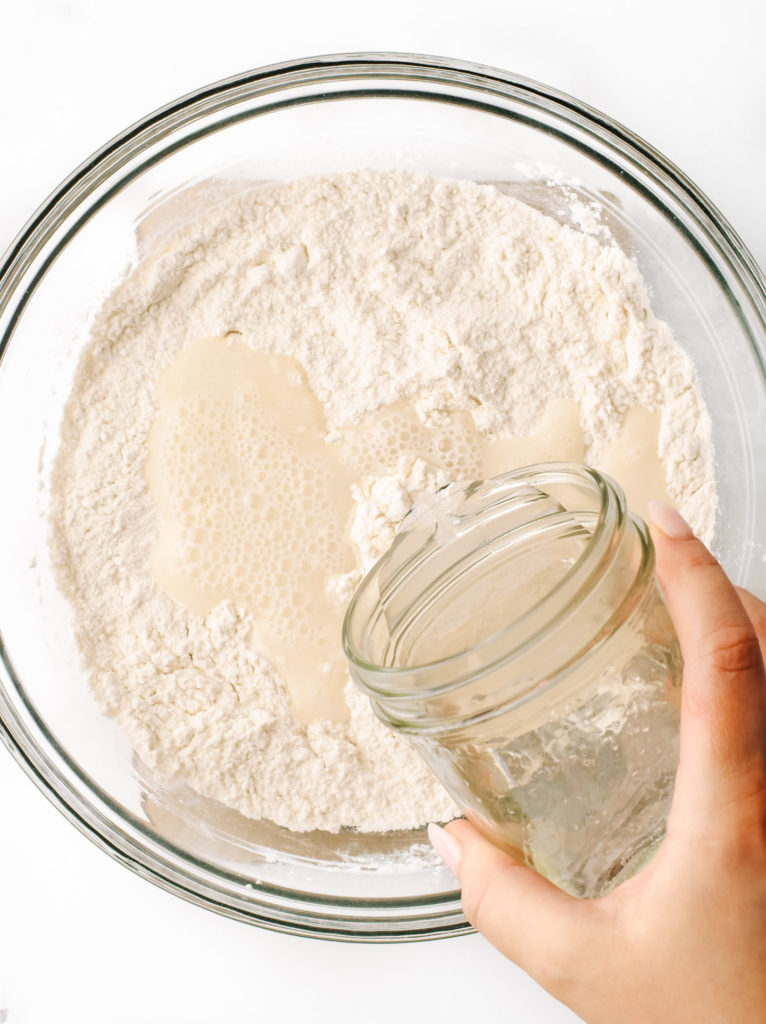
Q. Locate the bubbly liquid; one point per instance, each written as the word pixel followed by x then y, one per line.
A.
pixel 255 502
pixel 253 507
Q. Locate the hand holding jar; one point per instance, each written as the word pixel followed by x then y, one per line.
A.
pixel 685 938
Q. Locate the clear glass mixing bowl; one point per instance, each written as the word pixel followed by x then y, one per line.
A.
pixel 326 114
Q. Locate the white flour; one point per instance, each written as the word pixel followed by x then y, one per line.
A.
pixel 383 285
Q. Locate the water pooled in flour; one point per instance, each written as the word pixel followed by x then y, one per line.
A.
pixel 253 508
pixel 255 499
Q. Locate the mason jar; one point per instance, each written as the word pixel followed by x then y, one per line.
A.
pixel 515 633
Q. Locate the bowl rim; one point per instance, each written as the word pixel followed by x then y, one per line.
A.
pixel 396 66
pixel 426 917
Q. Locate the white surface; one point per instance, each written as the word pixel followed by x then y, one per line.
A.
pixel 81 938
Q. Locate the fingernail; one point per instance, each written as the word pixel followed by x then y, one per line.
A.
pixel 671 522
pixel 448 848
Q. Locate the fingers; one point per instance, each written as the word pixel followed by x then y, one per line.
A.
pixel 756 612
pixel 723 710
pixel 539 927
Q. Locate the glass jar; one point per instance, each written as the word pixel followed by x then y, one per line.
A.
pixel 515 633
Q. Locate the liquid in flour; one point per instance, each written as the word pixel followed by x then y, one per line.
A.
pixel 255 499
pixel 254 506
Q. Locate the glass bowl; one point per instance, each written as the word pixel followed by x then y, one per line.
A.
pixel 326 114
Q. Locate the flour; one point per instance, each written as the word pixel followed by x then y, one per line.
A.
pixel 380 507
pixel 384 286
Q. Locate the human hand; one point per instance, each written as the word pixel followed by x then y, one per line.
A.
pixel 685 939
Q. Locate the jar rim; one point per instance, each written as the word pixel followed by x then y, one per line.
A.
pixel 611 519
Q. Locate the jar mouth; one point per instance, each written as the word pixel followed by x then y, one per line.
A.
pixel 466 529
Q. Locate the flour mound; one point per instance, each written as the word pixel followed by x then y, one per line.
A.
pixel 384 286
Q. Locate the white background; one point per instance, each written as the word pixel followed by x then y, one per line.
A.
pixel 82 939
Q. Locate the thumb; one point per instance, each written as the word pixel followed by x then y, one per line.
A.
pixel 723 702
pixel 526 917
